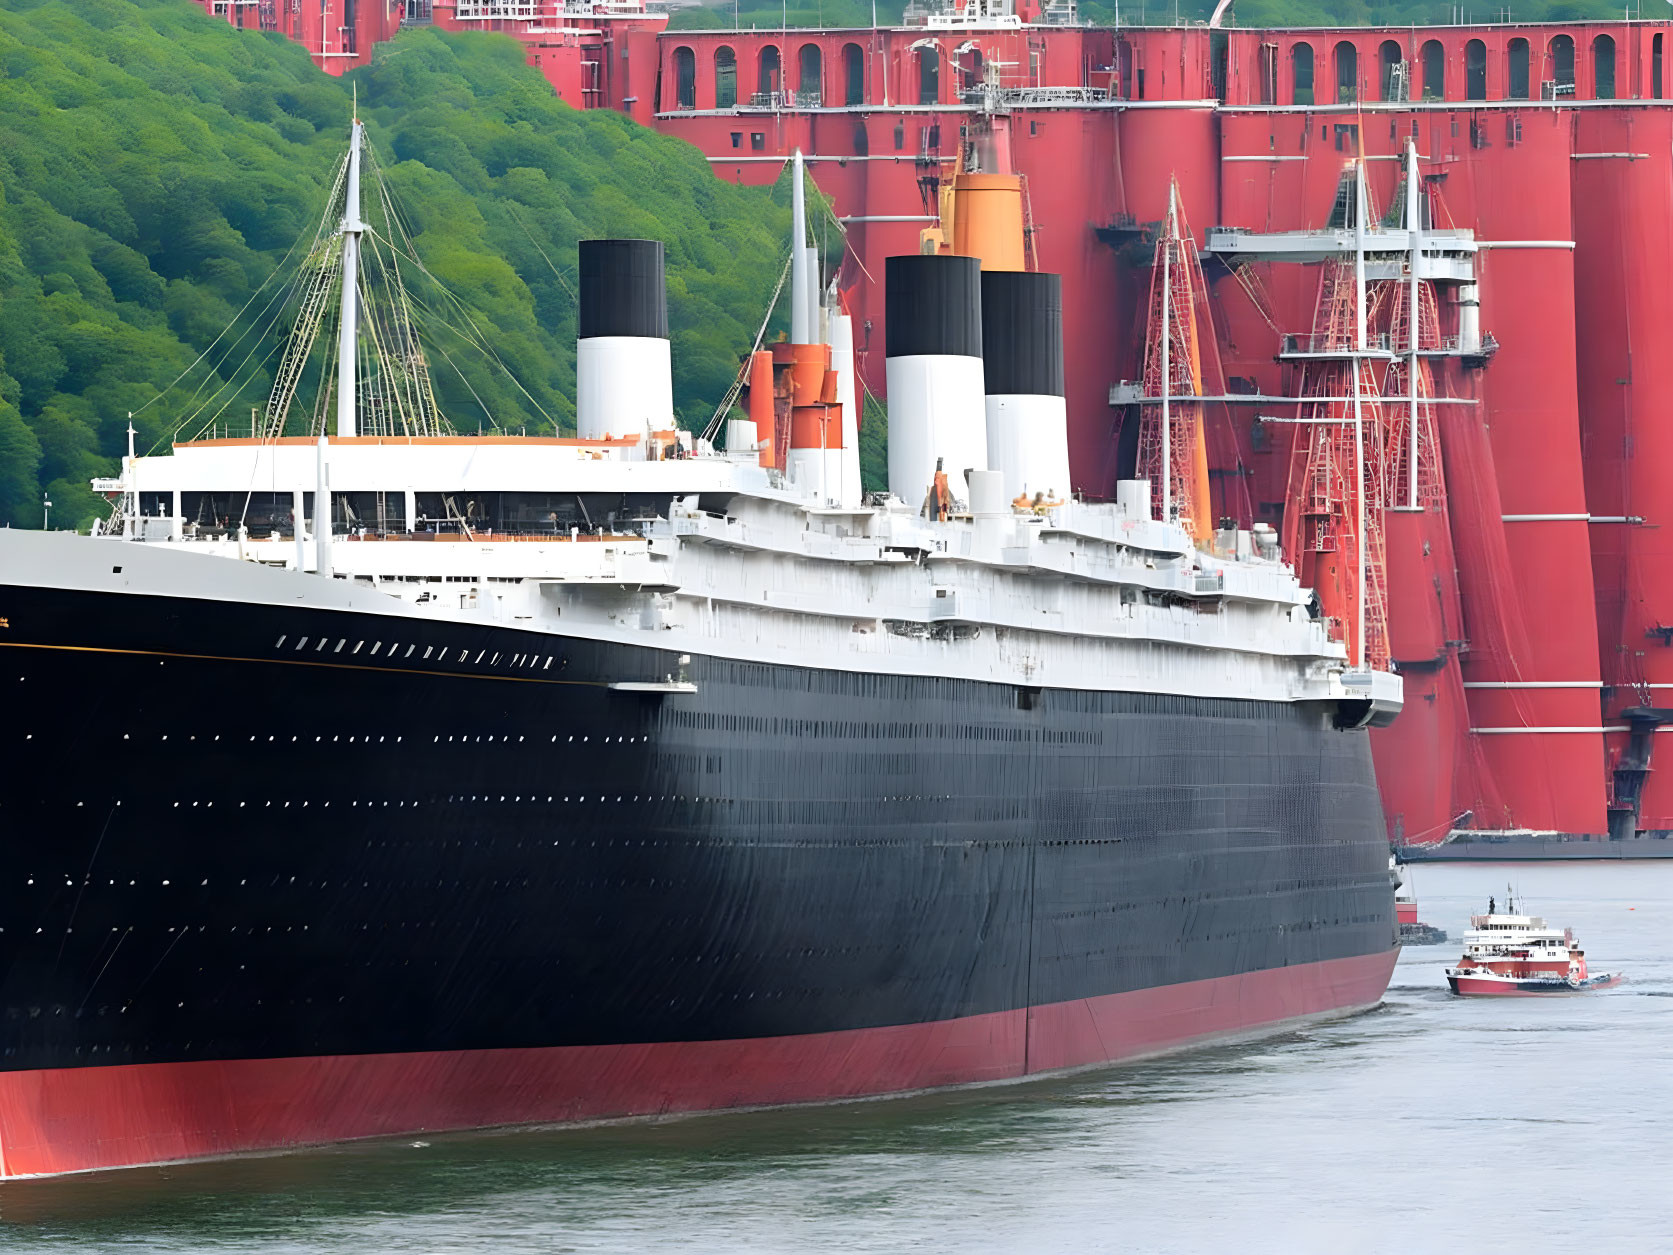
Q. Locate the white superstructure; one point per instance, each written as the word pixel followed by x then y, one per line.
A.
pixel 716 554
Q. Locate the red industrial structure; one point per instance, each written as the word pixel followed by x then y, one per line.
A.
pixel 1523 555
pixel 338 34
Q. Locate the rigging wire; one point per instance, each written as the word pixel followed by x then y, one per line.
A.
pixel 556 273
pixel 480 341
pixel 337 182
pixel 164 391
pixel 731 396
pixel 395 217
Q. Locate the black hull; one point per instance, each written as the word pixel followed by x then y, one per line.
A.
pixel 219 846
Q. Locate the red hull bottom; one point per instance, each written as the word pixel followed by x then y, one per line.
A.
pixel 81 1119
pixel 1468 987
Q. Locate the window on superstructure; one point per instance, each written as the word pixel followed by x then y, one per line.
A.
pixel 1301 73
pixel 1391 75
pixel 1655 68
pixel 767 78
pixel 929 77
pixel 1347 73
pixel 853 75
pixel 221 513
pixel 1475 70
pixel 1433 59
pixel 1603 67
pixel 1562 65
pixel 726 78
pixel 810 78
pixel 1517 78
pixel 685 78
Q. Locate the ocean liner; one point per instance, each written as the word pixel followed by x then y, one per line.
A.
pixel 384 779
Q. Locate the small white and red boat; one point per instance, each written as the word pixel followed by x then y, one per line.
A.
pixel 1520 954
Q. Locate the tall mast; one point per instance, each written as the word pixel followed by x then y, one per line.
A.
pixel 347 329
pixel 1414 228
pixel 130 476
pixel 1359 412
pixel 1359 259
pixel 1167 354
pixel 347 347
pixel 802 316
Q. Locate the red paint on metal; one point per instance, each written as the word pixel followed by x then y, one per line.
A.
pixel 336 44
pixel 1623 254
pixel 77 1119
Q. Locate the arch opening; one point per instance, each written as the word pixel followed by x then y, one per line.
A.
pixel 1391 75
pixel 1434 70
pixel 853 75
pixel 1347 73
pixel 810 76
pixel 1562 65
pixel 1475 70
pixel 768 75
pixel 1301 73
pixel 685 78
pixel 1517 78
pixel 929 77
pixel 726 78
pixel 1603 68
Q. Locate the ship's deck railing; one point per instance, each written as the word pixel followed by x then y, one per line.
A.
pixel 498 10
pixel 1333 344
pixel 1023 97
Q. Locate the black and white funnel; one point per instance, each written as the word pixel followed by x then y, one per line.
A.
pixel 1022 359
pixel 933 312
pixel 623 375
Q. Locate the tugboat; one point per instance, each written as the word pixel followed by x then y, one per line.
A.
pixel 1521 954
pixel 1412 932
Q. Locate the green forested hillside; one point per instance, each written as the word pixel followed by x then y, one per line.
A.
pixel 156 167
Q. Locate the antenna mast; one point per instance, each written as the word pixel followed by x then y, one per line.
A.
pixel 1414 226
pixel 1167 355
pixel 347 346
pixel 348 329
